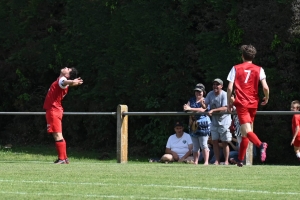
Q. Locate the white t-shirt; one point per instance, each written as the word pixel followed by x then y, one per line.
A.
pixel 179 145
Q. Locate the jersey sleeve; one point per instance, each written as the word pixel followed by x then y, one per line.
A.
pixel 189 139
pixel 231 75
pixel 207 99
pixel 223 99
pixel 61 81
pixel 262 74
pixel 169 143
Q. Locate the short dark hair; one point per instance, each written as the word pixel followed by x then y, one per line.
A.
pixel 73 73
pixel 248 52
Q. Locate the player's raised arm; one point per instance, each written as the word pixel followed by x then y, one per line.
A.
pixel 266 92
pixel 76 82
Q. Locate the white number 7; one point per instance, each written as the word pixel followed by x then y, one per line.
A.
pixel 248 74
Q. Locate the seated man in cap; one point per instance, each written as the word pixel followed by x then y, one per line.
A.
pixel 179 146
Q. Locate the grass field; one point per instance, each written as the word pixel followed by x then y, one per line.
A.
pixel 30 174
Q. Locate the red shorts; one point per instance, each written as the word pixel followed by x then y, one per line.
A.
pixel 245 115
pixel 297 141
pixel 53 118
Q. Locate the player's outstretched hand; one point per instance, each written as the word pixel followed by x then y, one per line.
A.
pixel 265 101
pixel 77 81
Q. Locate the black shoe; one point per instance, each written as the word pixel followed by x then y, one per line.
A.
pixel 236 162
pixel 58 161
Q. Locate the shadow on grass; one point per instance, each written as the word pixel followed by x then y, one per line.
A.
pixel 48 153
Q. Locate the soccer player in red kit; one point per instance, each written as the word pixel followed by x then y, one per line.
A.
pixel 54 109
pixel 295 106
pixel 245 78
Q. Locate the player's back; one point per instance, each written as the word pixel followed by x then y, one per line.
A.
pixel 295 122
pixel 247 76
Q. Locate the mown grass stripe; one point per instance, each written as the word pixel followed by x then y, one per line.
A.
pixel 155 185
pixel 94 196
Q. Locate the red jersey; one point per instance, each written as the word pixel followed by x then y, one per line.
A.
pixel 247 77
pixel 55 95
pixel 295 123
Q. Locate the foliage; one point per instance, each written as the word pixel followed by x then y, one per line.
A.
pixel 147 55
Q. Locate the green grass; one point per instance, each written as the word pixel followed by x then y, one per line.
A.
pixel 28 173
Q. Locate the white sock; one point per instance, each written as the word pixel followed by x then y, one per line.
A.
pixel 298 155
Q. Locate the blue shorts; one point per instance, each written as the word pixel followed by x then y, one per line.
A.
pixel 199 142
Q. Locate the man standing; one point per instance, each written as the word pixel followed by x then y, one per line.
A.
pixel 179 146
pixel 245 78
pixel 54 109
pixel 217 102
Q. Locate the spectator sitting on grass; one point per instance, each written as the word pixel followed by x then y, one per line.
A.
pixel 179 146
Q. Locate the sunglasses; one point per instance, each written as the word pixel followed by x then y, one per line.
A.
pixel 216 84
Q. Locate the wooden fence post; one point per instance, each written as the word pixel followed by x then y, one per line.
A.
pixel 122 134
pixel 249 152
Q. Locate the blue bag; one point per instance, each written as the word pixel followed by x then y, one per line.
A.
pixel 203 126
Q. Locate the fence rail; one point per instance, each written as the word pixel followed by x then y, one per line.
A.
pixel 65 113
pixel 189 113
pixel 148 113
pixel 122 125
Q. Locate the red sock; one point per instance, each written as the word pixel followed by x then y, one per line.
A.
pixel 254 139
pixel 65 149
pixel 243 148
pixel 61 149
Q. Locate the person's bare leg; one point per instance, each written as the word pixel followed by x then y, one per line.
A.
pixel 245 128
pixel 216 151
pixel 196 157
pixel 57 136
pixel 205 153
pixel 226 152
pixel 297 152
pixel 167 158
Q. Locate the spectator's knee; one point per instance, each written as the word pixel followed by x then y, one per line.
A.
pixel 167 158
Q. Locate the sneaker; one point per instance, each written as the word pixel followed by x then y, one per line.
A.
pixel 58 161
pixel 263 151
pixel 236 162
pixel 153 160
